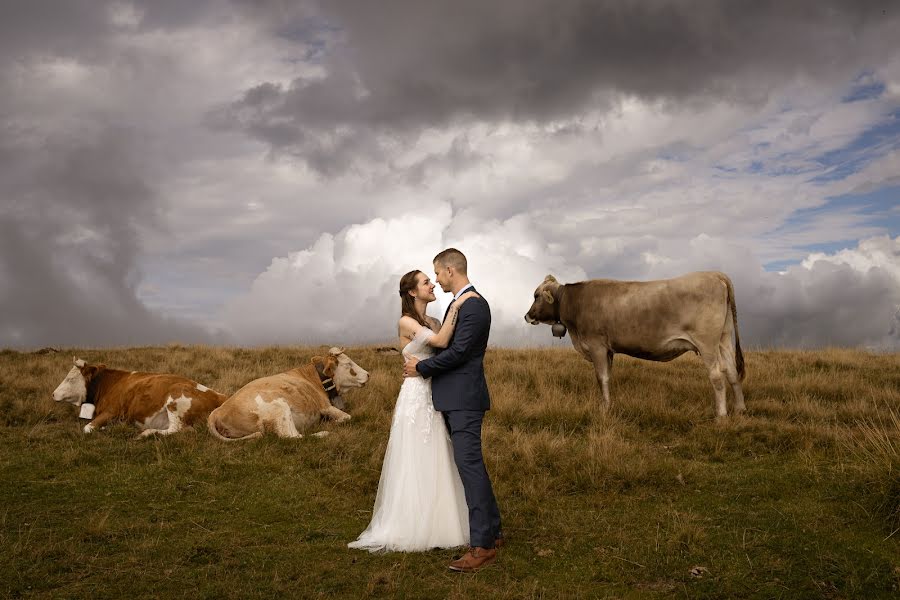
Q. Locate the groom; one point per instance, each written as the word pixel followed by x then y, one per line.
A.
pixel 459 391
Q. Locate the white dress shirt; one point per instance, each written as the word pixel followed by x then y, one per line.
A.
pixel 461 292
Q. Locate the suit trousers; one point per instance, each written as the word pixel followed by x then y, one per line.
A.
pixel 484 515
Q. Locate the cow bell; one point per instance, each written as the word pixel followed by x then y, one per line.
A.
pixel 87 411
pixel 558 329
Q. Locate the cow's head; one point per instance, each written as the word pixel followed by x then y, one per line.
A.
pixel 343 371
pixel 545 308
pixel 73 388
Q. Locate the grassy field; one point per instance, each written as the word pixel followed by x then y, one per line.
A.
pixel 799 498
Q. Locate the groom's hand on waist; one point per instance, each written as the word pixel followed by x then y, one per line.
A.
pixel 409 367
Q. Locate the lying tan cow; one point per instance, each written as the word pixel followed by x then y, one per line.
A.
pixel 653 320
pixel 155 402
pixel 288 402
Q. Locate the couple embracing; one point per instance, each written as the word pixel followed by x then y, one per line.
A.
pixel 434 490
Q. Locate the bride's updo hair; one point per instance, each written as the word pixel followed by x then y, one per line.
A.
pixel 408 283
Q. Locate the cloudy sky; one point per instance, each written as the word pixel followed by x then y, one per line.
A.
pixel 262 172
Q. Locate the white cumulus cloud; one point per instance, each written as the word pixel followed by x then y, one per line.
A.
pixel 344 288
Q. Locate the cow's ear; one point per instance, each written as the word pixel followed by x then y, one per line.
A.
pixel 549 279
pixel 548 297
pixel 88 372
pixel 329 366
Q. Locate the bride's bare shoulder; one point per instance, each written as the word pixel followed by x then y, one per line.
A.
pixel 408 325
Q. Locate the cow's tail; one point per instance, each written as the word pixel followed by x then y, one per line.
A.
pixel 738 355
pixel 212 423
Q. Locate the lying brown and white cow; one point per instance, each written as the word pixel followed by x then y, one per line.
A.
pixel 155 402
pixel 653 320
pixel 288 402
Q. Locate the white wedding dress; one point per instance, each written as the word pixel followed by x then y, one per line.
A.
pixel 420 502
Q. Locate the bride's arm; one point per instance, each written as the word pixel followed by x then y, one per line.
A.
pixel 407 328
pixel 442 338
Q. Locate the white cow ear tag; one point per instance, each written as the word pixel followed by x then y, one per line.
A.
pixel 87 411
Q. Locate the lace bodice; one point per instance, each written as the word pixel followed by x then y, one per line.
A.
pixel 419 347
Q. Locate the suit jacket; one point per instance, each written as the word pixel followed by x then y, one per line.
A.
pixel 457 371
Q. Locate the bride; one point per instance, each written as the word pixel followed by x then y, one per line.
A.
pixel 420 503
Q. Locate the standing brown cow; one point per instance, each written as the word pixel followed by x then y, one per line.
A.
pixel 654 320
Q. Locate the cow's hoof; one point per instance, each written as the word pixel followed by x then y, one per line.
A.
pixel 88 428
pixel 147 433
pixel 321 434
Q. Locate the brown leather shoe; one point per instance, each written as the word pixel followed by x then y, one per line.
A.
pixel 474 560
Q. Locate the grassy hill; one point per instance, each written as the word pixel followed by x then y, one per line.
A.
pixel 799 498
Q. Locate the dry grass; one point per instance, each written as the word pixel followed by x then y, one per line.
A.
pixel 874 448
pixel 798 498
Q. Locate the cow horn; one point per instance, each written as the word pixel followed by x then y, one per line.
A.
pixel 549 279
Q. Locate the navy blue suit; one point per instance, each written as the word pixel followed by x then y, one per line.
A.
pixel 459 391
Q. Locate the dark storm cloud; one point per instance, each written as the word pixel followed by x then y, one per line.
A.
pixel 826 305
pixel 460 156
pixel 50 28
pixel 79 28
pixel 69 224
pixel 396 67
pixel 75 192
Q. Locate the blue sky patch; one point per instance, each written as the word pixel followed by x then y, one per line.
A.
pixel 867 146
pixel 866 91
pixel 879 209
pixel 314 33
pixel 780 265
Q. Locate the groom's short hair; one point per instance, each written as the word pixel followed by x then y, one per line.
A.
pixel 451 257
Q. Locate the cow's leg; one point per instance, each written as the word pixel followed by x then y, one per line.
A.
pixel 281 420
pixel 336 414
pixel 726 357
pixel 711 360
pixel 609 363
pixel 602 360
pixel 175 410
pixel 98 422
